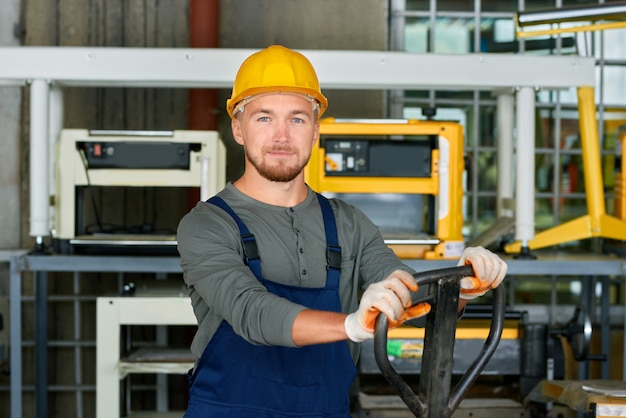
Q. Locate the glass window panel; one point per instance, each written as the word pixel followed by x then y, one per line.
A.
pixel 417 5
pixel 416 94
pixel 416 36
pixel 452 36
pixel 457 115
pixel 504 30
pixel 548 119
pixel 614 41
pixel 551 4
pixel 614 86
pixel 455 95
pixel 544 173
pixel 567 209
pixel 567 3
pixel 487 175
pixel 487 214
pixel 499 6
pixel 581 2
pixel 571 208
pixel 614 123
pixel 544 214
pixel 455 5
pixel 568 96
pixel 488 135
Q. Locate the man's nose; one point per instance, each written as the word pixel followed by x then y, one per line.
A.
pixel 282 131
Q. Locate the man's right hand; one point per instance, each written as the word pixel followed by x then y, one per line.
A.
pixel 391 296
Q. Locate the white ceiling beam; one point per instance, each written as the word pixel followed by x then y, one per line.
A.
pixel 364 70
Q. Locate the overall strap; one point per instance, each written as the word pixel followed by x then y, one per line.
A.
pixel 250 250
pixel 333 250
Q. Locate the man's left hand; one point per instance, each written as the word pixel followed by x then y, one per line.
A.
pixel 489 271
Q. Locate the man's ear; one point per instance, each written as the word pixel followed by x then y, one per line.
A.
pixel 316 134
pixel 235 126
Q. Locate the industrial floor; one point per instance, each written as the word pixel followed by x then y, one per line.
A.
pixel 489 397
pixel 391 406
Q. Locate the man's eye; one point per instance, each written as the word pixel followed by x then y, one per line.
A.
pixel 298 120
pixel 264 119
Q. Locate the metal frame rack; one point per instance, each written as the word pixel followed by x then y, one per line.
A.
pixel 41 266
pixel 115 312
pixel 514 77
pixel 564 265
pixel 476 18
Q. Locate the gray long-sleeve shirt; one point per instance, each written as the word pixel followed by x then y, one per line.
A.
pixel 292 248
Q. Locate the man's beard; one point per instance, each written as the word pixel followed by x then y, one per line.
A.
pixel 280 172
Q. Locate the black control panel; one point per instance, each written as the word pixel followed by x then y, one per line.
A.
pixel 377 158
pixel 136 155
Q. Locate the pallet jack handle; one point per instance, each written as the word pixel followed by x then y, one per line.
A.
pixel 435 398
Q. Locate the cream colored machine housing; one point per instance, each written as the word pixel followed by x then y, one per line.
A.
pixel 206 167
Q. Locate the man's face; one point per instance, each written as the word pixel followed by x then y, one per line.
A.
pixel 277 132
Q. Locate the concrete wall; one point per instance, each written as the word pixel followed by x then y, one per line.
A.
pixel 10 179
pixel 305 24
pixel 10 108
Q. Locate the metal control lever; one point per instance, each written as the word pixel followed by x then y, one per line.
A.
pixel 435 398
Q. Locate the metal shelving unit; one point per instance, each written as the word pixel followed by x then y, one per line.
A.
pixel 115 312
pixel 41 265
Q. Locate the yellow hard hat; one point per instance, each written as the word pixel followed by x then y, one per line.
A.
pixel 276 69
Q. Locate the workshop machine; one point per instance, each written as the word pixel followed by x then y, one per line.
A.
pixel 516 364
pixel 405 175
pixel 436 396
pixel 448 366
pixel 89 163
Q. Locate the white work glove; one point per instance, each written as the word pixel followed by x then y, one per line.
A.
pixel 489 271
pixel 391 296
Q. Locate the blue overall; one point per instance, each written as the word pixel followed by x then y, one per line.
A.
pixel 234 378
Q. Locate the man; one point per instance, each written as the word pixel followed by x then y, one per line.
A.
pixel 275 270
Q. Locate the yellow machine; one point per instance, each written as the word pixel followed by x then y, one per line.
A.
pixel 402 171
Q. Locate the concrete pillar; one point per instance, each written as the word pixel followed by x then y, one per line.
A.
pixel 10 104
